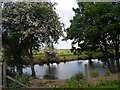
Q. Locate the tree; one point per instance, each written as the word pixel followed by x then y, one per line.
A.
pixel 95 28
pixel 1 69
pixel 33 23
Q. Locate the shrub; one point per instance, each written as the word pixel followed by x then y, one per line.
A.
pixel 107 74
pixel 94 74
pixel 105 84
pixel 23 79
pixel 78 76
pixel 13 85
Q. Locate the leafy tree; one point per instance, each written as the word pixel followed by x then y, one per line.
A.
pixel 31 24
pixel 95 27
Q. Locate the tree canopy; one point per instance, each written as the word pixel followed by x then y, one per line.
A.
pixel 96 27
pixel 26 26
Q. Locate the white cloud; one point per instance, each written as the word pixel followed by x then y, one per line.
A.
pixel 64 9
pixel 63 44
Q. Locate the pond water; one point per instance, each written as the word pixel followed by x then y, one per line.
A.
pixel 68 69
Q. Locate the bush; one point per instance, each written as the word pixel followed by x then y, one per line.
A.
pixel 94 74
pixel 78 76
pixel 13 85
pixel 107 74
pixel 23 79
pixel 108 84
pixel 75 81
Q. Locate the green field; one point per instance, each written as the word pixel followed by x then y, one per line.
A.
pixel 63 55
pixel 60 53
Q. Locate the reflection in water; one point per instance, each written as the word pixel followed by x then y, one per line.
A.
pixel 112 65
pixel 96 65
pixel 51 69
pixel 66 70
pixel 51 72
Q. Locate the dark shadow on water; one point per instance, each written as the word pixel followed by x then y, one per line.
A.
pixel 50 72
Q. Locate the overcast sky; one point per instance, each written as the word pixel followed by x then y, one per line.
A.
pixel 64 9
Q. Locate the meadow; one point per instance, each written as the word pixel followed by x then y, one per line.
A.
pixel 63 55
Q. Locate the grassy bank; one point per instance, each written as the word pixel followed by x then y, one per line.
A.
pixel 63 55
pixel 109 80
pixel 42 59
pixel 60 58
pixel 76 81
pixel 97 82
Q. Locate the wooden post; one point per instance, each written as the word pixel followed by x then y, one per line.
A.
pixel 4 75
pixel 0 75
pixel 86 72
pixel 1 45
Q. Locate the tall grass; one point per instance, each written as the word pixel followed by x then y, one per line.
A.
pixel 74 82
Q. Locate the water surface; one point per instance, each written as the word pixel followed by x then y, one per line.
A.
pixel 68 69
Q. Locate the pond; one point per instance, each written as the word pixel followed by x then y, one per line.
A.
pixel 68 69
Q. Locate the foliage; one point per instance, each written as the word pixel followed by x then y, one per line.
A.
pixel 13 85
pixel 76 81
pixel 108 84
pixel 23 79
pixel 73 83
pixel 83 84
pixel 59 51
pixel 95 28
pixel 78 76
pixel 107 74
pixel 94 74
pixel 28 26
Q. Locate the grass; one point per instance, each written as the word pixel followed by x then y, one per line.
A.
pixel 95 74
pixel 82 83
pixel 78 81
pixel 72 83
pixel 37 56
pixel 107 84
pixel 66 55
pixel 24 79
pixel 63 55
pixel 40 58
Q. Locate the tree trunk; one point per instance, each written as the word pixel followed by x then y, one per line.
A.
pixel 106 51
pixel 117 57
pixel 116 46
pixel 90 61
pixel 19 69
pixel 31 63
pixel 90 57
